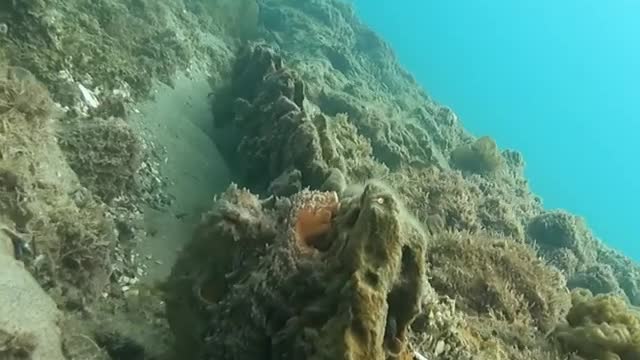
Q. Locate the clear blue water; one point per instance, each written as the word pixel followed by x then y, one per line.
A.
pixel 557 80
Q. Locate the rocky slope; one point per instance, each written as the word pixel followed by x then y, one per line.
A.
pixel 303 94
pixel 348 69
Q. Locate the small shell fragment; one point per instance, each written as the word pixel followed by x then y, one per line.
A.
pixel 418 356
pixel 88 97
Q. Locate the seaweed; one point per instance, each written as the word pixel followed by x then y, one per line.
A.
pixel 83 255
pixel 602 327
pixel 446 201
pixel 238 19
pixel 481 156
pixel 110 44
pixel 277 135
pixel 69 239
pixel 105 153
pixel 21 93
pixel 509 298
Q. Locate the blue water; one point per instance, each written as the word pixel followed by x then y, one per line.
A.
pixel 557 80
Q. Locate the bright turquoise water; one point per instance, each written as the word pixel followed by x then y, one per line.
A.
pixel 557 80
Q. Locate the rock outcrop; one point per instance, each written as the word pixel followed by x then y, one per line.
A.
pixel 29 318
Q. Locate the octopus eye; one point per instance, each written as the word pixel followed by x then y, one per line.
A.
pixel 380 200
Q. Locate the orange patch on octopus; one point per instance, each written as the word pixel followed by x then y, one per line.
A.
pixel 311 217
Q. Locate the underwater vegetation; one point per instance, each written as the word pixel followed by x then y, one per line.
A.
pixel 76 236
pixel 481 156
pixel 73 239
pixel 491 298
pixel 363 222
pixel 504 279
pixel 567 243
pixel 106 154
pixel 236 18
pixel 601 327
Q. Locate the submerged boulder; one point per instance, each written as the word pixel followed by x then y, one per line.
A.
pixel 28 316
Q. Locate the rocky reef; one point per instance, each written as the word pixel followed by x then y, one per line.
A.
pixel 363 221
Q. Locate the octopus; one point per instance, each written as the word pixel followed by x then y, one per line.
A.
pixel 313 276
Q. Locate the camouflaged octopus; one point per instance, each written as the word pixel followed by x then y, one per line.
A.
pixel 328 278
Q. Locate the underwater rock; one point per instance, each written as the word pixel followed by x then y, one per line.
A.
pixel 277 130
pixel 314 277
pixel 481 156
pixel 487 275
pixel 74 239
pixel 625 270
pixel 566 242
pixel 492 298
pixel 286 184
pixel 598 278
pixel 558 229
pixel 334 182
pixel 291 275
pixel 349 69
pixel 28 316
pixel 105 153
pixel 601 327
pixel 277 134
pixel 347 153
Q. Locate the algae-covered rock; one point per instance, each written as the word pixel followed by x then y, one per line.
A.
pixel 81 241
pixel 446 201
pixel 105 153
pixel 331 274
pixel 349 69
pixel 625 270
pixel 115 44
pixel 481 156
pixel 602 327
pixel 66 235
pixel 558 229
pixel 277 132
pixel 567 242
pixel 599 278
pixel 235 18
pixel 346 151
pixel 508 296
pixel 28 316
pixel 314 277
